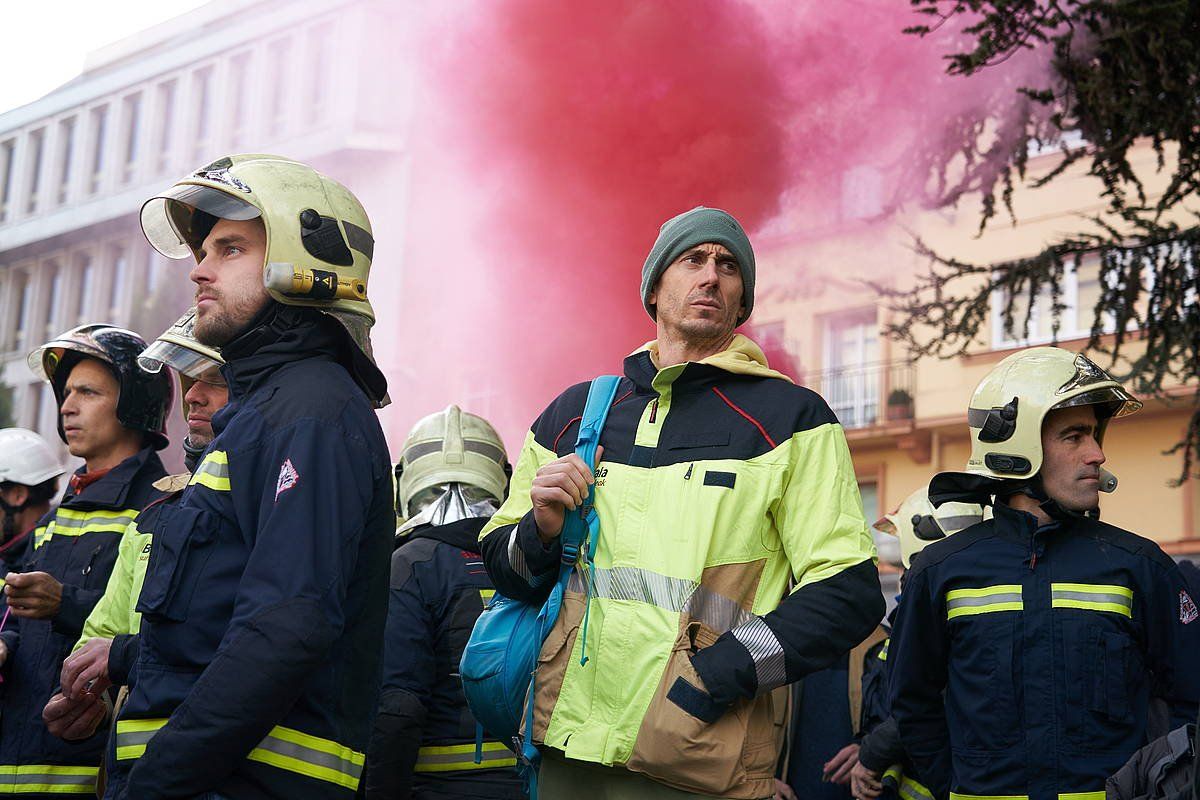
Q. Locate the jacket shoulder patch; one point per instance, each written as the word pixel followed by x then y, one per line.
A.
pixel 1187 608
pixel 288 477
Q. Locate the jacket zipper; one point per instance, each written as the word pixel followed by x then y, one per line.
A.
pixel 653 410
pixel 688 475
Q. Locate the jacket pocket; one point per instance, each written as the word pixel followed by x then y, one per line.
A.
pixel 677 748
pixel 182 547
pixel 552 664
pixel 987 665
pixel 1101 680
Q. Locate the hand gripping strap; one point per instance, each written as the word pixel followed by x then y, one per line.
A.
pixel 576 525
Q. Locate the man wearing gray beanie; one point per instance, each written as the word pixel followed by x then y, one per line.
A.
pixel 732 558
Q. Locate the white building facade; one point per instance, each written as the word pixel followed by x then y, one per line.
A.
pixel 303 79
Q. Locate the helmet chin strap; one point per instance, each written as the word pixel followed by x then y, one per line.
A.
pixel 1035 490
pixel 191 454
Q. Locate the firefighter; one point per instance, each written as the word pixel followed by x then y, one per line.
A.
pixel 29 472
pixel 1047 629
pixel 107 648
pixel 453 475
pixel 265 597
pixel 112 415
pixel 880 769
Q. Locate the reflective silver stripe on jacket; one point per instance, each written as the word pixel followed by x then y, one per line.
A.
pixel 677 595
pixel 765 651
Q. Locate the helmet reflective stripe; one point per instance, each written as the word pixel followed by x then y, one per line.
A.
pixel 26 458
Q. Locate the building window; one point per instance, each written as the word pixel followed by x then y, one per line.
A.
pixel 131 114
pixel 277 85
pixel 862 193
pixel 86 288
pixel 50 311
pixel 202 89
pixel 166 105
pixel 119 274
pixel 155 266
pixel 239 75
pixel 37 141
pixel 99 135
pixel 7 151
pixel 24 294
pixel 1079 293
pixel 66 141
pixel 852 376
pixel 317 57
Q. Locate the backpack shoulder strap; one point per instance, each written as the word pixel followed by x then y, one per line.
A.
pixel 595 413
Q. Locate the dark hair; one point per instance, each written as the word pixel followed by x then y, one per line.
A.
pixel 41 493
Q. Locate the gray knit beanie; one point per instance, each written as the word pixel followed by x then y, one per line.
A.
pixel 699 226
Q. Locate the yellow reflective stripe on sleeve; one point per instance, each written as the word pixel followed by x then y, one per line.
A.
pixel 913 790
pixel 283 748
pixel 311 756
pixel 957 796
pixel 74 522
pixel 47 779
pixel 1082 796
pixel 41 536
pixel 134 734
pixel 213 472
pixel 1092 597
pixel 883 650
pixel 984 600
pixel 454 757
pixel 486 595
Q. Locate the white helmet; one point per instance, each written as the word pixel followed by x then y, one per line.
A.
pixel 26 458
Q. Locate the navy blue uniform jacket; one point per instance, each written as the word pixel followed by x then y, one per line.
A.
pixel 1049 642
pixel 266 591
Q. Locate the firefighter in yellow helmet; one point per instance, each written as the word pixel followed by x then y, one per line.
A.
pixel 881 769
pixel 269 578
pixel 1047 630
pixel 452 476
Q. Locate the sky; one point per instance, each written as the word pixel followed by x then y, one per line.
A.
pixel 52 39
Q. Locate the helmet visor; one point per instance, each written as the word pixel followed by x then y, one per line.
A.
pixel 1116 401
pixel 183 360
pixel 168 219
pixel 87 340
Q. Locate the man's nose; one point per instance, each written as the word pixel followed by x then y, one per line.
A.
pixel 1095 454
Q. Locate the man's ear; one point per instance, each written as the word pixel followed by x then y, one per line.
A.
pixel 652 300
pixel 16 495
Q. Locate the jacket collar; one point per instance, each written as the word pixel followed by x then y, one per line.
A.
pixel 1021 526
pixel 112 490
pixel 463 534
pixel 742 357
pixel 278 336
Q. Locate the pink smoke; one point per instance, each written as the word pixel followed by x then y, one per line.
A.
pixel 552 139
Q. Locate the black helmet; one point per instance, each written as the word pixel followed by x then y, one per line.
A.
pixel 145 397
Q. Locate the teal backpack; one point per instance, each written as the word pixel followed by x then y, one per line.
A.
pixel 499 664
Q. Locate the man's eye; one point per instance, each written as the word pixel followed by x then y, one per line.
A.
pixel 233 251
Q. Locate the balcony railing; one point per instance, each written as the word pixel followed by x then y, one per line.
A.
pixel 867 395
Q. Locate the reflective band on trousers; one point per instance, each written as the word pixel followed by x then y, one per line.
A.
pixel 984 600
pixel 283 748
pixel 453 757
pixel 213 472
pixel 677 595
pixel 1092 597
pixel 1063 796
pixel 47 779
